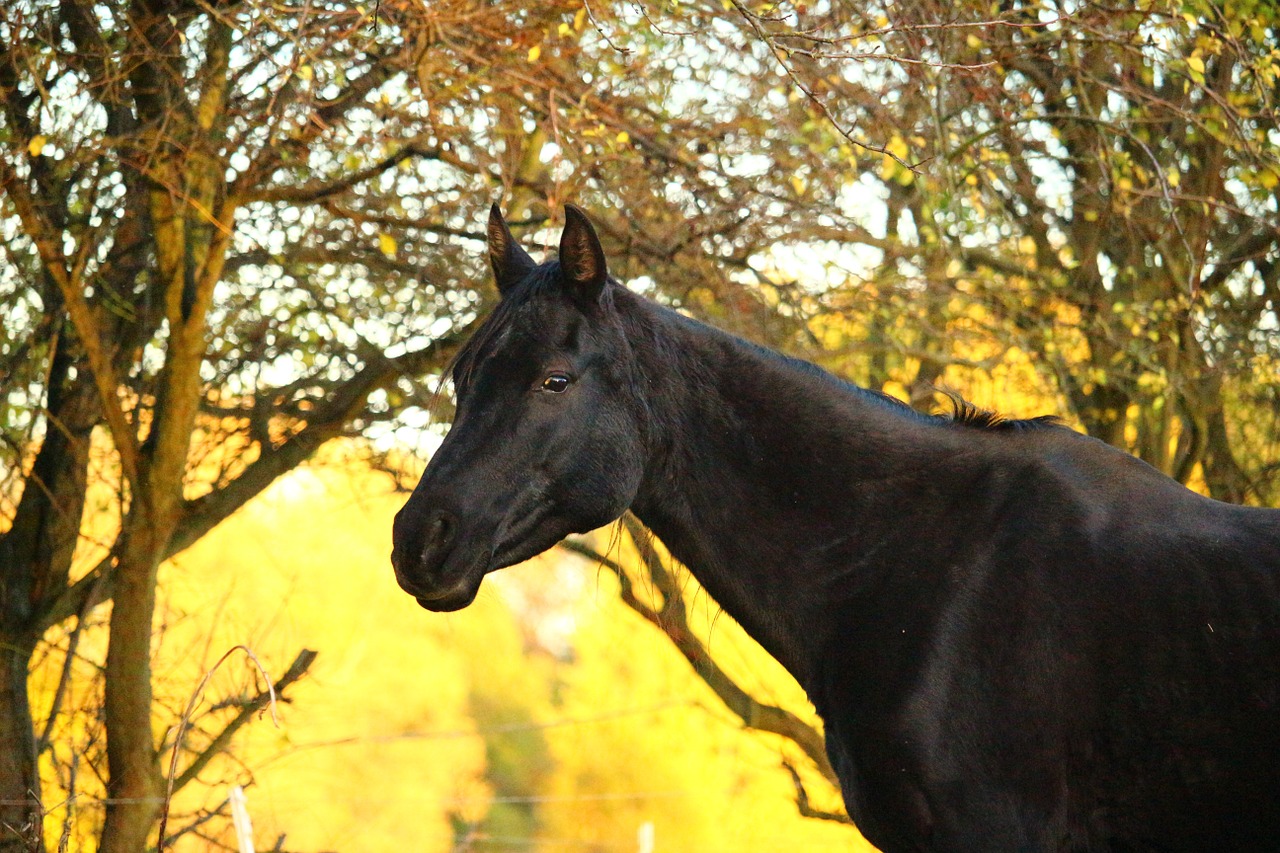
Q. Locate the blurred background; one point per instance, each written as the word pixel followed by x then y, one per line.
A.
pixel 241 240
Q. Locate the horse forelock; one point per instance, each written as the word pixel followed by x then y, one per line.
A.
pixel 514 306
pixel 461 369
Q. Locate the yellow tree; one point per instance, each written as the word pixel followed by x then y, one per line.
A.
pixel 145 146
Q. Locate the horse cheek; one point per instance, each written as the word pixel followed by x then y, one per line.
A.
pixel 604 482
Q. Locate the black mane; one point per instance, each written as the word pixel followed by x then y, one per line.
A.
pixel 966 414
pixel 543 279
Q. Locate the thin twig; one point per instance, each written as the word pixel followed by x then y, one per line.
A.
pixel 895 29
pixel 802 799
pixel 90 600
pixel 185 720
pixel 890 57
pixel 625 51
pixel 65 839
pixel 753 21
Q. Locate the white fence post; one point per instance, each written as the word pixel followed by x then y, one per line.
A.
pixel 240 819
pixel 645 837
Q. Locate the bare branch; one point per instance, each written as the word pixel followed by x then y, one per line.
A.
pixel 82 317
pixel 802 799
pixel 753 21
pixel 672 621
pixel 324 189
pixel 222 740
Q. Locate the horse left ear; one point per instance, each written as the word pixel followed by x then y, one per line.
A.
pixel 581 257
pixel 510 262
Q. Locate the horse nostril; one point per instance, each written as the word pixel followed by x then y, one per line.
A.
pixel 441 526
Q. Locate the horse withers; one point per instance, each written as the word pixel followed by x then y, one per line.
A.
pixel 1018 638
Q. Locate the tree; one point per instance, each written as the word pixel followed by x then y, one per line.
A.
pixel 145 146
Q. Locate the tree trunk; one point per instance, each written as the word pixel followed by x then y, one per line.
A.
pixel 1103 415
pixel 135 788
pixel 21 814
pixel 1226 480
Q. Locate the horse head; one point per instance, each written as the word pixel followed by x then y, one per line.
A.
pixel 548 434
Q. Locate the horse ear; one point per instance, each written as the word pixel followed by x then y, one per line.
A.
pixel 511 263
pixel 581 258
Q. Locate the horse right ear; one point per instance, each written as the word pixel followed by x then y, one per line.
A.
pixel 582 260
pixel 511 263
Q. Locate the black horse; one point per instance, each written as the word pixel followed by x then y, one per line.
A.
pixel 1019 638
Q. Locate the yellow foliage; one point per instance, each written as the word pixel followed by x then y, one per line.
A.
pixel 1195 65
pixel 891 168
pixel 305 566
pixel 387 245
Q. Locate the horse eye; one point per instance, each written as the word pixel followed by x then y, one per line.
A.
pixel 556 383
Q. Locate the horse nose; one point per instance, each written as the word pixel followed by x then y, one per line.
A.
pixel 441 527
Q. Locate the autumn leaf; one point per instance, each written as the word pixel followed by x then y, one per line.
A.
pixel 1195 65
pixel 897 146
pixel 387 245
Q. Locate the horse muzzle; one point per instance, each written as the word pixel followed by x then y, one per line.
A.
pixel 431 564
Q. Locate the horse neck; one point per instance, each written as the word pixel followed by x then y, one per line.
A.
pixel 772 481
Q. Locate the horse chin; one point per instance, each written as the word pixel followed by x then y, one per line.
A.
pixel 450 601
pixel 544 535
pixel 453 598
